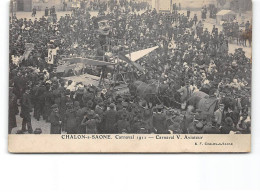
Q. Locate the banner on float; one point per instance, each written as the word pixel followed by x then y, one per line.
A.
pixel 51 54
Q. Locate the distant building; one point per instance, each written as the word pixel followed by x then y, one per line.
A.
pixel 159 5
pixel 194 4
pixel 162 5
pixel 234 5
pixel 42 4
pixel 27 5
pixel 241 5
pixel 23 5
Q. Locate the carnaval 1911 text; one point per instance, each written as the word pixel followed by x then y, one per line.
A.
pixel 129 137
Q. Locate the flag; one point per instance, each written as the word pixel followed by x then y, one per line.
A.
pixel 141 53
pixel 126 59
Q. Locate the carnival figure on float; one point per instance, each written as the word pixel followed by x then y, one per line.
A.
pixel 108 49
pixel 103 32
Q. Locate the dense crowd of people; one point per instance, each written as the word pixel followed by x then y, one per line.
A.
pixel 190 58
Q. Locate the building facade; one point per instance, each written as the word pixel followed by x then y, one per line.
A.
pixel 162 5
pixel 42 4
pixel 27 5
pixel 23 5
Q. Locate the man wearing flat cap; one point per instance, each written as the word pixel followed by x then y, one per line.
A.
pixel 159 120
pixel 218 115
pixel 46 11
pixel 26 109
pixel 55 120
pixel 197 126
pixel 91 121
pixel 123 125
pixel 110 119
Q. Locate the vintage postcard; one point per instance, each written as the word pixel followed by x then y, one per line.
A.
pixel 130 76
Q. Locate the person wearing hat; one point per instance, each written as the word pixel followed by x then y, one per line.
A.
pixel 91 121
pixel 197 126
pixel 34 12
pixel 210 127
pixel 175 128
pixel 55 120
pixel 13 110
pixel 244 127
pixel 119 102
pixel 139 126
pixel 189 115
pixel 80 113
pixel 233 113
pixel 185 92
pixel 147 114
pixel 70 119
pixel 90 105
pixel 123 110
pixel 52 10
pixel 79 95
pixel 218 115
pixel 26 109
pixel 110 119
pixel 48 101
pixel 159 120
pixel 227 126
pixel 99 110
pixel 39 99
pixel 46 12
pixel 87 96
pixel 244 119
pixel 123 124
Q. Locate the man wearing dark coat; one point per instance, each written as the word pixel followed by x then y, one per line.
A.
pixel 26 108
pixel 39 100
pixel 55 120
pixel 19 84
pixel 159 121
pixel 33 11
pixel 52 10
pixel 48 101
pixel 227 126
pixel 46 11
pixel 188 13
pixel 91 121
pixel 195 19
pixel 110 119
pixel 13 111
pixel 70 119
pixel 123 125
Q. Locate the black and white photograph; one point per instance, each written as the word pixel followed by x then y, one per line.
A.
pixel 130 67
pixel 130 96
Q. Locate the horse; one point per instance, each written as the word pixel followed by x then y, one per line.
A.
pixel 203 102
pixel 245 36
pixel 155 92
pixel 152 91
pixel 146 91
